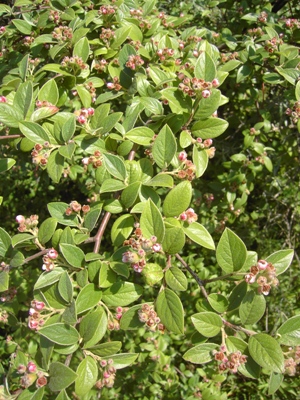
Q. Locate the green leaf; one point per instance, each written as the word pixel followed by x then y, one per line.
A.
pixel 6 164
pixel 231 252
pixel 67 151
pixel 109 122
pixel 112 185
pixel 281 260
pixel 87 375
pixel 176 101
pixel 61 376
pixel 73 255
pixel 237 295
pixel 178 199
pixel 130 194
pixel 5 242
pixel 34 132
pixel 22 26
pixel 152 105
pixel 266 351
pixel 209 128
pixel 59 333
pixel 201 354
pixel 62 396
pixel 205 67
pixel 122 360
pixel 68 128
pixel 140 135
pixel 106 349
pixel 275 382
pixel 252 308
pixel 48 278
pixel 161 180
pixel 199 234
pixel 23 98
pixel 91 218
pixel 10 116
pixel 122 229
pixel 65 287
pixel 174 238
pixel 58 211
pixel 176 279
pixel 55 166
pixel 115 166
pixel 106 276
pixel 49 92
pixel 4 281
pixel 218 302
pixel 209 324
pixel 289 332
pixel 297 91
pixel 69 316
pixel 93 327
pixel 200 160
pixel 121 294
pixel 151 222
pixel 82 49
pixel 20 238
pixel 289 74
pixel 170 311
pixel 164 147
pixel 43 113
pixel 46 230
pixel 152 273
pixel 243 72
pixel 88 297
pixel 130 319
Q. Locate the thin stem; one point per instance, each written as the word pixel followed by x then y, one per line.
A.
pixel 238 328
pixel 68 359
pixel 220 278
pixel 36 255
pixel 194 275
pixel 10 137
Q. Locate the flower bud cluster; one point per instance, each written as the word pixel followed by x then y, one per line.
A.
pixel 4 267
pixel 141 248
pixel 134 61
pixel 8 295
pixel 43 103
pixel 48 260
pixel 108 375
pixel 229 361
pixel 264 275
pixel 2 30
pixel 196 87
pixel 187 168
pixel 294 112
pixel 165 53
pixel 255 32
pixel 209 198
pixel 292 23
pixel 263 16
pixel 114 323
pixel 27 224
pixel 162 16
pixel 84 114
pixel 71 62
pixel 36 319
pixel 31 374
pixel 228 57
pixel 95 160
pixel 107 10
pixel 107 35
pixel 272 45
pixel 75 207
pixel 115 85
pixel 28 40
pixel 91 88
pixel 100 65
pixel 189 216
pixel 3 316
pixel 54 16
pixel 149 317
pixel 40 154
pixel 62 33
pixel 292 363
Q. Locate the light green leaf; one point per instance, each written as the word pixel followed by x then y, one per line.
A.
pixel 130 319
pixel 252 308
pixel 281 260
pixel 266 351
pixel 6 164
pixel 209 128
pixel 23 98
pixel 4 281
pixel 115 166
pixel 88 297
pixel 207 323
pixel 164 147
pixel 73 255
pixel 82 49
pixel 176 279
pixel 289 332
pixel 46 230
pixel 121 294
pixel 151 222
pixel 61 376
pixel 93 327
pixel 140 135
pixel 174 239
pixel 58 211
pixel 34 132
pixel 200 160
pixel 59 333
pixel 161 180
pixel 106 349
pixel 122 360
pixel 231 252
pixel 55 166
pixel 10 116
pixel 178 199
pixel 65 287
pixel 87 375
pixel 49 92
pixel 122 229
pixel 170 311
pixel 176 101
pixel 199 234
pixel 201 354
pixel 5 242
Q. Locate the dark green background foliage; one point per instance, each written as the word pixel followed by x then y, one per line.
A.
pixel 127 62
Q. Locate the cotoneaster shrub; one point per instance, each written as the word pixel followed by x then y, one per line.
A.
pixel 136 287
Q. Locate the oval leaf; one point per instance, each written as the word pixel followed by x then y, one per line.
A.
pixel 170 311
pixel 266 351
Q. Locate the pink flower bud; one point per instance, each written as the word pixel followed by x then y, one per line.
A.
pixel 31 367
pixel 81 119
pixel 53 254
pixel 206 93
pixel 91 111
pixel 156 247
pixel 32 324
pixel 39 305
pixel 20 219
pixel 215 82
pixel 195 53
pixel 3 99
pixel 183 216
pixel 85 161
pixel 110 85
pixel 182 156
pixel 262 264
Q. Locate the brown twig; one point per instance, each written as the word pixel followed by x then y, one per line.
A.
pixel 10 137
pixel 194 275
pixel 238 328
pixel 36 255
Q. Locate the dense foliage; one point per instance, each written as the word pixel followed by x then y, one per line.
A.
pixel 150 199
